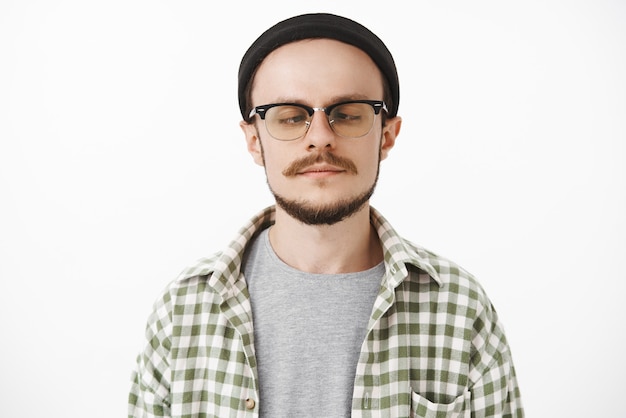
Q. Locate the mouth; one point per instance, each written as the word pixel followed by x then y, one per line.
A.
pixel 317 171
pixel 321 169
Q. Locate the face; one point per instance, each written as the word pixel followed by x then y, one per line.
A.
pixel 322 177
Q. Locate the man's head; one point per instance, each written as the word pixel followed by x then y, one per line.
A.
pixel 321 152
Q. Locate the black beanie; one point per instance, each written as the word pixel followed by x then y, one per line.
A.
pixel 319 25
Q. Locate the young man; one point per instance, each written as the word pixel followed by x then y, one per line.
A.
pixel 318 308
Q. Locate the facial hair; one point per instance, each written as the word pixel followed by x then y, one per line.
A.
pixel 311 213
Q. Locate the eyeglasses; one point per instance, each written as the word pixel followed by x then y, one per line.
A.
pixel 290 121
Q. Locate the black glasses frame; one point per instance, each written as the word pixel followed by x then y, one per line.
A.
pixel 377 105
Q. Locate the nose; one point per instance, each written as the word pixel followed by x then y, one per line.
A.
pixel 319 134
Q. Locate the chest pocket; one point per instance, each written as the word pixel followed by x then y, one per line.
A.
pixel 423 408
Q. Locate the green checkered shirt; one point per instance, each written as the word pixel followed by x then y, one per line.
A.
pixel 434 346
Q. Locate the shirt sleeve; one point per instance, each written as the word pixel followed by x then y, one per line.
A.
pixel 494 388
pixel 150 380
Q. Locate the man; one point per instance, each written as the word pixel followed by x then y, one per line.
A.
pixel 318 308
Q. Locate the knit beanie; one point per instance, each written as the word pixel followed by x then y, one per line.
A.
pixel 319 25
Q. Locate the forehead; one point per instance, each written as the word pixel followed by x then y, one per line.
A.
pixel 316 71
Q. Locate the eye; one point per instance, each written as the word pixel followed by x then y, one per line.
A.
pixel 289 115
pixel 348 113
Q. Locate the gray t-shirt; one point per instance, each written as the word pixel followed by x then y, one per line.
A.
pixel 308 332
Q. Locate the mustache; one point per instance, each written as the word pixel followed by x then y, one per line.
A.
pixel 325 157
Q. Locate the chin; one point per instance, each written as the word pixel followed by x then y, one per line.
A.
pixel 323 213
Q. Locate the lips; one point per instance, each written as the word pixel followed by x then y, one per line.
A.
pixel 321 169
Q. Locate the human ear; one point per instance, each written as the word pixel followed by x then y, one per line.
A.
pixel 390 131
pixel 253 141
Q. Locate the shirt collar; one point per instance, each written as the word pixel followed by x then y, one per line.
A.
pixel 224 268
pixel 399 253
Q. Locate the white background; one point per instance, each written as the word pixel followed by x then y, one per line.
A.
pixel 121 161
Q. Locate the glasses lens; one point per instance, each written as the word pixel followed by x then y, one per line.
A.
pixel 286 122
pixel 352 120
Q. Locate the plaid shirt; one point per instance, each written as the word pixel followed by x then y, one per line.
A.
pixel 434 347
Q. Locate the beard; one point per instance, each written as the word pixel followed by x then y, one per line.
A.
pixel 311 213
pixel 315 214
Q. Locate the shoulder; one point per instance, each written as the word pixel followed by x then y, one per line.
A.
pixel 202 267
pixel 447 271
pixel 191 281
pixel 456 285
pixel 461 293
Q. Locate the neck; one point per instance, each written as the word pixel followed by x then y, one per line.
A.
pixel 348 246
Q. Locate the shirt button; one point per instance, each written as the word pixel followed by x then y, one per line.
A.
pixel 250 403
